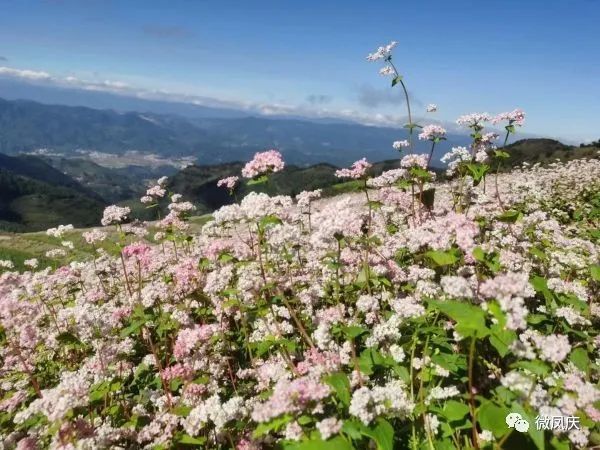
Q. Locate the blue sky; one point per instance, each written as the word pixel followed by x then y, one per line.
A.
pixel 308 57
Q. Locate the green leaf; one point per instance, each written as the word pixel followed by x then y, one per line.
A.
pixel 442 258
pixel 98 391
pixel 273 425
pixel 335 443
pixel 353 428
pixel 304 420
pixel 374 204
pixel 510 216
pixel 470 319
pixel 383 434
pixel 270 220
pixel 477 171
pixel 68 338
pixel 595 272
pixel 454 410
pixel 501 154
pixel 182 410
pixel 396 80
pixel 536 367
pixel 492 417
pixel 557 444
pixel 538 253
pixel 352 332
pixel 536 435
pixel 186 439
pixel 501 338
pixel 260 180
pixel 540 285
pixel 134 328
pixel 479 254
pixel 580 358
pixel 340 384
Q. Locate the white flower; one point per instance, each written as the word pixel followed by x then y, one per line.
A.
pixel 457 287
pixel 328 427
pixel 486 436
pixel 391 399
pixel 59 231
pixel 397 353
pixel 114 214
pixel 6 264
pixel 33 263
pixel 382 52
pixel 440 393
pixel 399 145
pixel 387 70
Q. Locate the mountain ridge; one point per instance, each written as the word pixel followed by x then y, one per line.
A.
pixel 26 126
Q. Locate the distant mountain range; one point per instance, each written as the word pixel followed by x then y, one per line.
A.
pixel 40 192
pixel 26 126
pixel 74 179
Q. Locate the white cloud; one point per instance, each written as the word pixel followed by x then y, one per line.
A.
pixel 25 74
pixel 310 111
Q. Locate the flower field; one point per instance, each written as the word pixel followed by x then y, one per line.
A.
pixel 413 315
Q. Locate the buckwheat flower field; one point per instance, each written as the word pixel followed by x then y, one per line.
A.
pixel 414 314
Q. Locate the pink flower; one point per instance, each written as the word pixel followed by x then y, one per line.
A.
pixel 290 396
pixel 229 182
pixel 186 276
pixel 473 120
pixel 138 249
pixel 156 191
pixel 189 337
pixel 10 404
pixel 262 163
pixel 358 170
pixel 91 237
pixel 27 443
pixel 177 371
pixel 514 117
pixel 432 132
pixel 414 161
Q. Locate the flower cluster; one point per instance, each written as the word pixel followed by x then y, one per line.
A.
pixel 473 120
pixel 515 117
pixel 432 132
pixel 382 52
pixel 228 182
pixel 114 214
pixel 263 163
pixel 358 170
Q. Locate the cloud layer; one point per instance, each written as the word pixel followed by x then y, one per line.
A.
pixel 313 109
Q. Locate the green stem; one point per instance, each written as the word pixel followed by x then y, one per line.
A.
pixel 410 122
pixel 471 395
pixel 430 155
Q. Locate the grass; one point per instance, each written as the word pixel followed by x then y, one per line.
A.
pixel 17 247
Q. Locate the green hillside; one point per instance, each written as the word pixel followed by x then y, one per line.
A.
pixel 36 196
pixel 112 184
pixel 545 151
